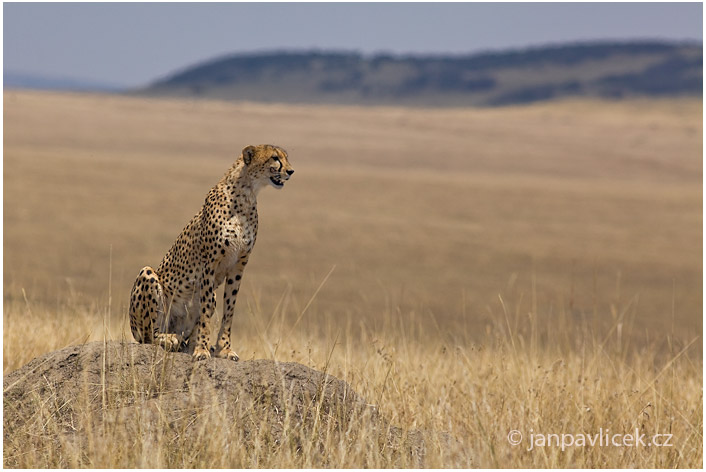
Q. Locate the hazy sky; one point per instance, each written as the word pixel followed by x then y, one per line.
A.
pixel 130 44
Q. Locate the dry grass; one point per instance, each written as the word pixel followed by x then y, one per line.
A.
pixel 466 397
pixel 532 268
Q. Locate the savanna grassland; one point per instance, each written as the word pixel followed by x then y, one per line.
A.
pixel 469 271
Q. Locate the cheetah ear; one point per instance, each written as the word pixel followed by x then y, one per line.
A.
pixel 248 154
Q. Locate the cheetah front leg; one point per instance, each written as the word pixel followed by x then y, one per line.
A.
pixel 147 314
pixel 208 306
pixel 230 293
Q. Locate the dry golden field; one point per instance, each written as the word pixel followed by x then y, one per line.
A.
pixel 470 271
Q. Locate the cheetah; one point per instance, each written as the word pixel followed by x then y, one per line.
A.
pixel 172 305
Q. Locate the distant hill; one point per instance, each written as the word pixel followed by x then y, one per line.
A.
pixel 609 70
pixel 19 80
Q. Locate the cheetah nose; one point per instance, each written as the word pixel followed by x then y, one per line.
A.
pixel 290 171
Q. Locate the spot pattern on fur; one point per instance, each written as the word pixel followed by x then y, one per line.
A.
pixel 173 305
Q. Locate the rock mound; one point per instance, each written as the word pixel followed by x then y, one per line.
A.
pixel 101 397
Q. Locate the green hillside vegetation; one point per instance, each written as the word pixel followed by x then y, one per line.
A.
pixel 606 70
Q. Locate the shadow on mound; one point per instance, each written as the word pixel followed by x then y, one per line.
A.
pixel 132 405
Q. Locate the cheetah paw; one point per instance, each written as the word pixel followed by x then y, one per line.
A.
pixel 227 354
pixel 201 354
pixel 170 342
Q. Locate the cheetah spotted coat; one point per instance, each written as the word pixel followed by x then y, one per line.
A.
pixel 173 305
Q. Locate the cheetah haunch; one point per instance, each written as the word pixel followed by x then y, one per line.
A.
pixel 172 306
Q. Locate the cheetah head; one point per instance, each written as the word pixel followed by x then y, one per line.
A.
pixel 267 164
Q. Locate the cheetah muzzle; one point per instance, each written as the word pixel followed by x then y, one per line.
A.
pixel 276 182
pixel 172 305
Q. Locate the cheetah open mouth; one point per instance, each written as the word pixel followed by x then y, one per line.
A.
pixel 277 182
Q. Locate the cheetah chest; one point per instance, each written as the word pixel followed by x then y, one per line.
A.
pixel 238 234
